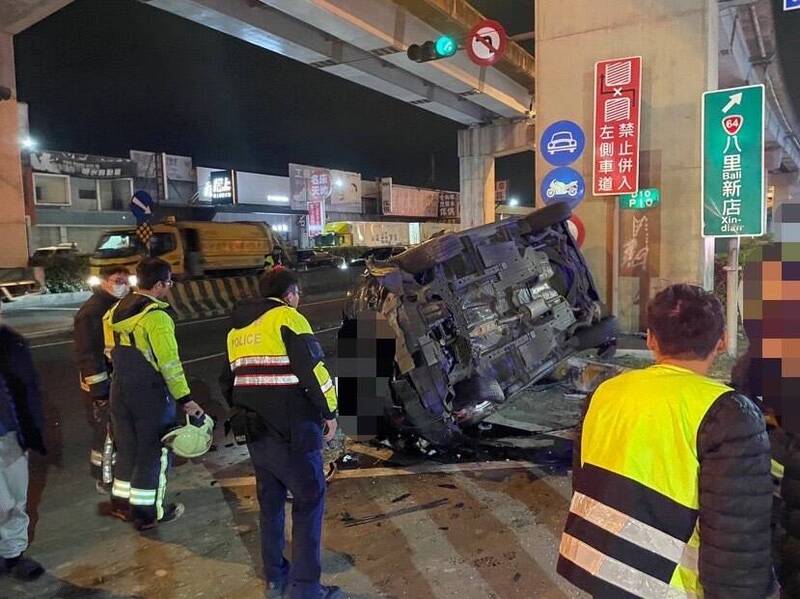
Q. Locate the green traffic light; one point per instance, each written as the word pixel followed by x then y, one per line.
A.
pixel 446 46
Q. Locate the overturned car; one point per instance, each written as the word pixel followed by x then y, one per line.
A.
pixel 439 337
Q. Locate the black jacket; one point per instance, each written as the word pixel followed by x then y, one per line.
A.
pixel 19 374
pixel 292 414
pixel 735 560
pixel 90 345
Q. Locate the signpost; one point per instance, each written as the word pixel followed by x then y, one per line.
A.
pixel 617 112
pixel 733 162
pixel 734 199
pixel 641 200
pixel 486 43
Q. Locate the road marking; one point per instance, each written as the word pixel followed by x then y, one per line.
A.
pixel 211 357
pixel 45 309
pixel 245 481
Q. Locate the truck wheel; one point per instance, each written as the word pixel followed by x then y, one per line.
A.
pixel 549 215
pixel 427 255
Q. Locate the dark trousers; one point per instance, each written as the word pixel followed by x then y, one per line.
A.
pixel 99 417
pixel 278 469
pixel 142 412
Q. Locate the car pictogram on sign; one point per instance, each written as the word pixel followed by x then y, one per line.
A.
pixel 562 141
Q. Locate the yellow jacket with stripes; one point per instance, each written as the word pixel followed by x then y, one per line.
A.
pixel 672 491
pixel 276 368
pixel 142 322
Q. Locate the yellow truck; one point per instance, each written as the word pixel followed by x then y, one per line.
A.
pixel 193 248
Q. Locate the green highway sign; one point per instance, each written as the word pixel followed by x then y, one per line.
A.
pixel 641 200
pixel 734 199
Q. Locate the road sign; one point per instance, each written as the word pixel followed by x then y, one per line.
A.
pixel 562 143
pixel 501 191
pixel 486 43
pixel 734 203
pixel 563 184
pixel 791 4
pixel 617 114
pixel 641 200
pixel 577 229
pixel 142 206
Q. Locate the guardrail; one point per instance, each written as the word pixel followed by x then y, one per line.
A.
pixel 211 298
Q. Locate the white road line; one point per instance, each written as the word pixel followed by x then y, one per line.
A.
pixel 180 324
pixel 211 357
pixel 538 542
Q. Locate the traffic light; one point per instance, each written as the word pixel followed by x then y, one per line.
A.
pixel 444 47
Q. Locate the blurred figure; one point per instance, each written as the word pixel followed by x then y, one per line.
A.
pixel 21 429
pixel 672 491
pixel 95 369
pixel 770 371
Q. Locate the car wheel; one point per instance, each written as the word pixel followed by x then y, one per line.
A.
pixel 549 215
pixel 427 255
pixel 597 335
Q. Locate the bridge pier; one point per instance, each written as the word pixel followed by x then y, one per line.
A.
pixel 478 146
pixel 13 232
pixel 678 42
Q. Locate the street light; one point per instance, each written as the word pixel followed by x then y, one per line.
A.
pixel 28 143
pixel 513 202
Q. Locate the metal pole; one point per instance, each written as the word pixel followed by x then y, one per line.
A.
pixel 732 325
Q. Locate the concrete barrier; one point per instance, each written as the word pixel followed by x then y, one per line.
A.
pixel 210 298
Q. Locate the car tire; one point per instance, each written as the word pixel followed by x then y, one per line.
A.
pixel 549 215
pixel 427 255
pixel 596 336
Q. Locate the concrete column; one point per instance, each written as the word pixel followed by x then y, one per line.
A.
pixel 678 42
pixel 13 233
pixel 477 149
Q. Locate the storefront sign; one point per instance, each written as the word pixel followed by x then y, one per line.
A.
pixel 617 111
pixel 222 188
pixel 316 217
pixel 177 168
pixel 449 204
pixel 82 165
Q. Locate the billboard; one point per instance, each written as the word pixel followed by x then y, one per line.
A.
pixel 338 190
pixel 400 200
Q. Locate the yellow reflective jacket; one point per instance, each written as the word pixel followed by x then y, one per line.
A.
pixel 673 480
pixel 142 322
pixel 277 369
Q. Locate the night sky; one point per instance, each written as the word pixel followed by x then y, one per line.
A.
pixel 104 77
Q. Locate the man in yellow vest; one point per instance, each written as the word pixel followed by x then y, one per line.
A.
pixel 282 395
pixel 672 491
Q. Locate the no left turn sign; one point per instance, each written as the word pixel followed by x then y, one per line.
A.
pixel 486 43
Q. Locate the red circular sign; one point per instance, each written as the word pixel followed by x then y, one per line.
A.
pixel 577 230
pixel 486 43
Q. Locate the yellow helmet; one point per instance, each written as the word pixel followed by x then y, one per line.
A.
pixel 190 440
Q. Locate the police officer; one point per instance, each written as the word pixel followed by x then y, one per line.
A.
pixel 148 381
pixel 282 396
pixel 95 368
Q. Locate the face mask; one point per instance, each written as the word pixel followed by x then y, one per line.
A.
pixel 119 291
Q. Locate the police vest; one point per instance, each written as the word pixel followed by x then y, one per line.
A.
pixel 632 527
pixel 257 352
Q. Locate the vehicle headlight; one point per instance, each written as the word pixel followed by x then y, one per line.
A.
pixel 133 281
pixel 93 281
pixel 344 265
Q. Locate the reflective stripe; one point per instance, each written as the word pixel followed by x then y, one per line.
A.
pixel 162 483
pixel 96 458
pixel 327 386
pixel 776 469
pixel 261 361
pixel 96 378
pixel 143 496
pixel 617 573
pixel 265 380
pixel 84 386
pixel 121 489
pixel 633 530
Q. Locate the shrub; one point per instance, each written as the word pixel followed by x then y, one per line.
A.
pixel 65 274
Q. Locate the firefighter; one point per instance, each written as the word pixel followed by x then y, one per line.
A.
pixel 284 402
pixel 672 490
pixel 148 381
pixel 95 369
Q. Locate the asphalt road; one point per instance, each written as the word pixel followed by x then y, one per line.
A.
pixel 397 527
